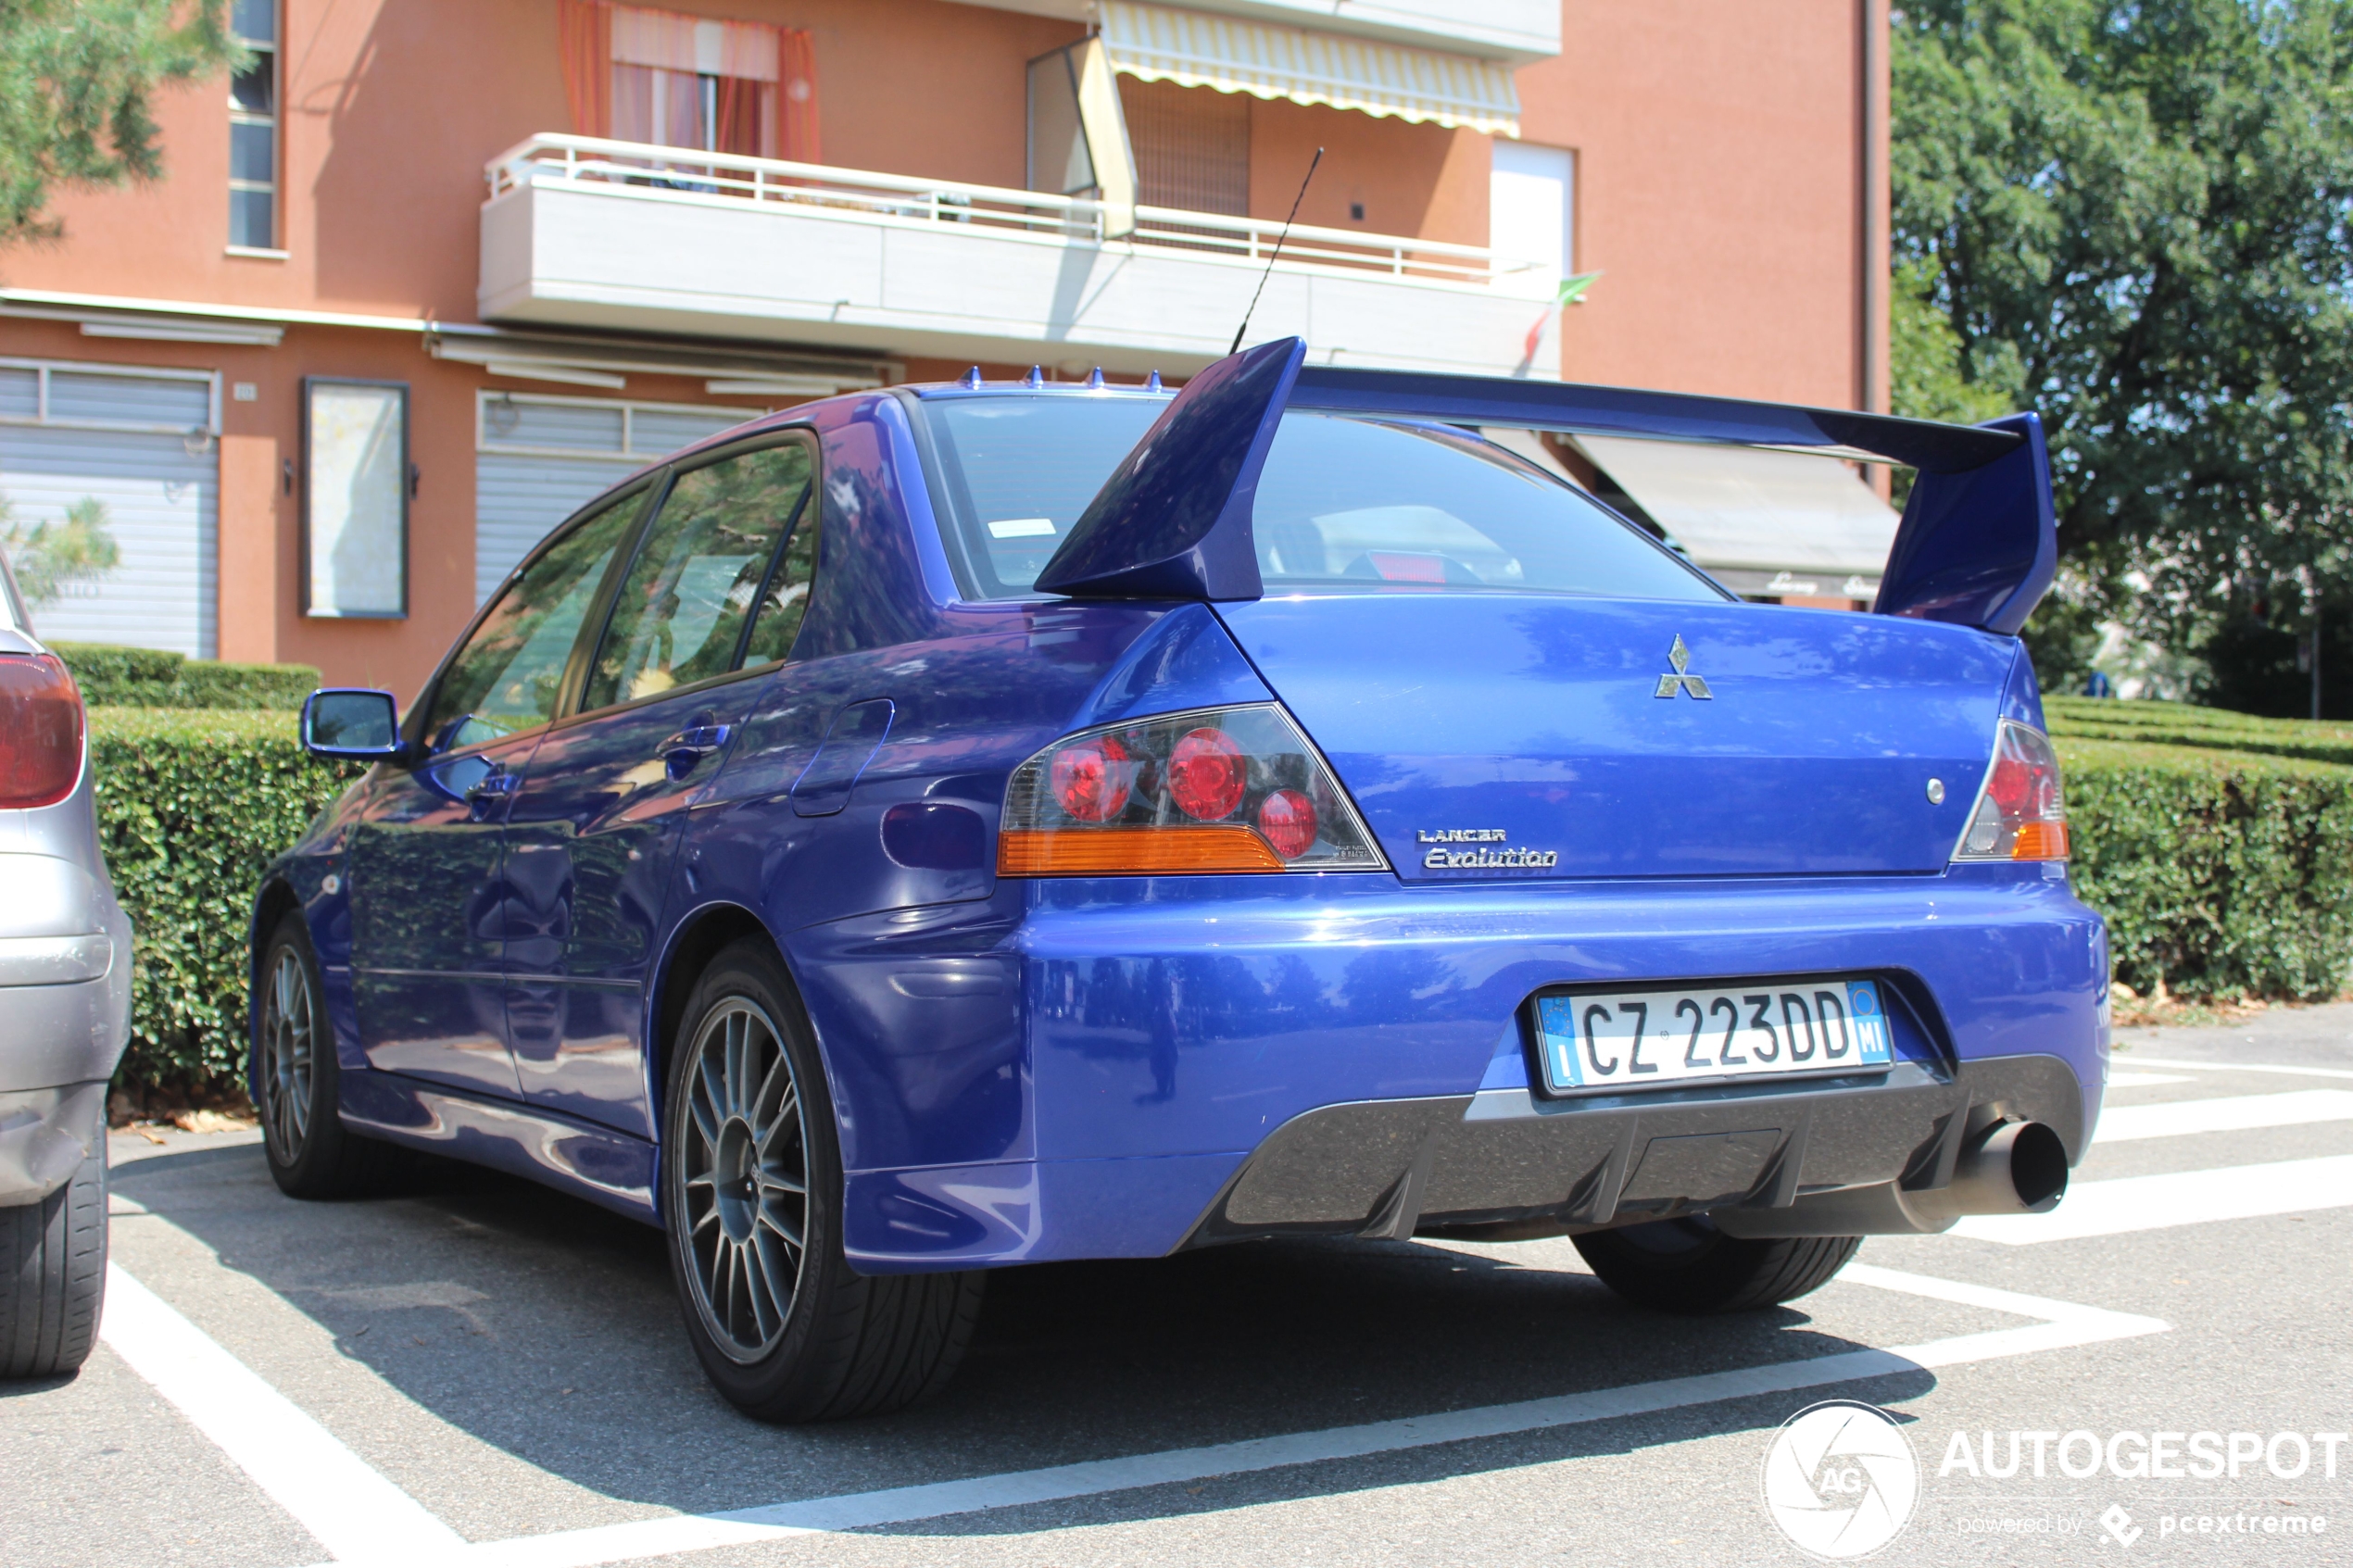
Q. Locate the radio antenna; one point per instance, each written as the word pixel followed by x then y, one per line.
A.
pixel 1277 251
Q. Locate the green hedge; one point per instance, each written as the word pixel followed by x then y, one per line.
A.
pixel 2219 868
pixel 192 805
pixel 126 677
pixel 2209 729
pixel 2220 871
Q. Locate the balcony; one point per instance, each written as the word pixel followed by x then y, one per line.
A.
pixel 583 232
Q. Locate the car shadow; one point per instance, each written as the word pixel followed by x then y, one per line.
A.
pixel 547 1327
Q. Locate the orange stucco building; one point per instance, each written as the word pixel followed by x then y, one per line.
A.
pixel 428 274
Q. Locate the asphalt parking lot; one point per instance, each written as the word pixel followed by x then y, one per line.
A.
pixel 481 1372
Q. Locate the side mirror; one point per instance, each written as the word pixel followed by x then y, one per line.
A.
pixel 351 723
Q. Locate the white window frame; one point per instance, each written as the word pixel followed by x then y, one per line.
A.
pixel 628 456
pixel 209 428
pixel 276 120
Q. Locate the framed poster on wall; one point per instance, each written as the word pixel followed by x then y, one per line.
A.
pixel 354 503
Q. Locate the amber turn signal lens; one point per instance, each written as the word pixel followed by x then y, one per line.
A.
pixel 2020 814
pixel 2040 841
pixel 1206 790
pixel 1133 852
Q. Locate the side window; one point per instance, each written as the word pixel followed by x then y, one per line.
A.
pixel 710 573
pixel 509 674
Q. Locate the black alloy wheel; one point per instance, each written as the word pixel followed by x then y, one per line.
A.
pixel 1687 1265
pixel 295 1080
pixel 283 1053
pixel 751 1190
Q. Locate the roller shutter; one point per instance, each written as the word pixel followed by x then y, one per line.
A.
pixel 539 460
pixel 142 445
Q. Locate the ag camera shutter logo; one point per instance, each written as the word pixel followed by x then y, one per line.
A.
pixel 1840 1479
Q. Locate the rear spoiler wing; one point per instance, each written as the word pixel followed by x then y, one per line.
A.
pixel 1978 545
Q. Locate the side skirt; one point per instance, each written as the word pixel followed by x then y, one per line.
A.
pixel 607 1167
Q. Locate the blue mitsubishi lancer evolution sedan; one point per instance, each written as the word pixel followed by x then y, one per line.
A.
pixel 942 828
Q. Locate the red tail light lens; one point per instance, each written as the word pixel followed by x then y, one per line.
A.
pixel 40 732
pixel 1207 776
pixel 1094 778
pixel 1237 789
pixel 2020 814
pixel 1287 818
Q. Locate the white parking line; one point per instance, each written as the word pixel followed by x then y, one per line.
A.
pixel 2123 1123
pixel 362 1517
pixel 2143 1080
pixel 353 1510
pixel 2185 1198
pixel 2062 1323
pixel 2140 1061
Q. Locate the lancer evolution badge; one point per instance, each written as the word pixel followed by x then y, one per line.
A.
pixel 1681 658
pixel 1445 859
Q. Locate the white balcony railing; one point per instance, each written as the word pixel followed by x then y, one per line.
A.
pixel 621 236
pixel 820 188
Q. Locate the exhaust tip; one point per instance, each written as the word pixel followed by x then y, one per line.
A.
pixel 2038 1167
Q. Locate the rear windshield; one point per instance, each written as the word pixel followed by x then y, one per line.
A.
pixel 1344 504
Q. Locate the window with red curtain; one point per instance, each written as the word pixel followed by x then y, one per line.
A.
pixel 635 73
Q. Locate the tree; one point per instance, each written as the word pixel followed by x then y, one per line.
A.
pixel 76 79
pixel 49 558
pixel 2133 216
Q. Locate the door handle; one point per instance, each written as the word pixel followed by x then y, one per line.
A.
pixel 683 752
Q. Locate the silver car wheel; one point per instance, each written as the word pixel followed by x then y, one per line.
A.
pixel 288 1033
pixel 743 1161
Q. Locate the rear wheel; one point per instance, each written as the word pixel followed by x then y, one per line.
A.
pixel 295 1083
pixel 53 1274
pixel 1688 1265
pixel 751 1192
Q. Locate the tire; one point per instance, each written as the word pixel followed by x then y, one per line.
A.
pixel 297 1082
pixel 784 1328
pixel 1688 1265
pixel 54 1255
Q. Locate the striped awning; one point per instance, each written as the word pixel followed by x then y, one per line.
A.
pixel 1197 49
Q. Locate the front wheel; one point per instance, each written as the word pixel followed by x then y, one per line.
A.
pixel 295 1083
pixel 752 1200
pixel 1688 1265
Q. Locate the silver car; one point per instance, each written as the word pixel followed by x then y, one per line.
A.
pixel 65 1010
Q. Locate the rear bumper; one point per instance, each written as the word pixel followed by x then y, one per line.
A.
pixel 1506 1164
pixel 64 973
pixel 1101 1069
pixel 65 1017
pixel 45 1136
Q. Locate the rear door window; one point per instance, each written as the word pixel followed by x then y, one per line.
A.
pixel 509 675
pixel 711 590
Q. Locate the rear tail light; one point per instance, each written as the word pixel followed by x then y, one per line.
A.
pixel 39 731
pixel 2020 814
pixel 1232 789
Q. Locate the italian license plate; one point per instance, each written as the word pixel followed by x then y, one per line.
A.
pixel 1642 1039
